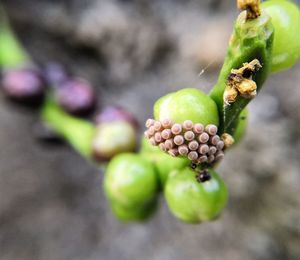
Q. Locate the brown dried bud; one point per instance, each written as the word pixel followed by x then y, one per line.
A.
pixel 183 149
pixel 178 140
pixel 227 139
pixel 252 7
pixel 176 129
pixel 247 88
pixel 189 135
pixel 230 95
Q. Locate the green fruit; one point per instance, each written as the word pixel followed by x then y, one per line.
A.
pixel 187 104
pixel 113 138
pixel 146 147
pixel 164 163
pixel 240 130
pixel 134 214
pixel 286 21
pixel 194 202
pixel 130 180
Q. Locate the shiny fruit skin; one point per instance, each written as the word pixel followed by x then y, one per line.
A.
pixel 23 85
pixel 192 201
pixel 135 213
pixel 113 138
pixel 286 21
pixel 187 104
pixel 164 163
pixel 130 180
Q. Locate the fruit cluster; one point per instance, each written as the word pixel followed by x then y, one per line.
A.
pixel 64 98
pixel 191 126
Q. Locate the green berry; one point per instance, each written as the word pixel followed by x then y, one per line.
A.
pixel 241 126
pixel 130 180
pixel 113 138
pixel 193 201
pixel 286 21
pixel 164 163
pixel 187 104
pixel 134 214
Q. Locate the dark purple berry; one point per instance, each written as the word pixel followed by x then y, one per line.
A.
pixel 76 96
pixel 55 73
pixel 24 85
pixel 115 113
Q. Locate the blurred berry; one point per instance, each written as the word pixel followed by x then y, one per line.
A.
pixel 55 73
pixel 76 96
pixel 112 138
pixel 115 113
pixel 24 85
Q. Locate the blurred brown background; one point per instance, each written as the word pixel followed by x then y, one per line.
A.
pixel 51 201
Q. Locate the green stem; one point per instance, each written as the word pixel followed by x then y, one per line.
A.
pixel 251 39
pixel 78 132
pixel 12 54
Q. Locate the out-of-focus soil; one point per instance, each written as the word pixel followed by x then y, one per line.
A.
pixel 51 201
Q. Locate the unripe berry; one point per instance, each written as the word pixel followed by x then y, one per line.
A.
pixel 193 201
pixel 187 104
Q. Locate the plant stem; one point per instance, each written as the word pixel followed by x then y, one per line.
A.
pixel 251 39
pixel 12 54
pixel 78 132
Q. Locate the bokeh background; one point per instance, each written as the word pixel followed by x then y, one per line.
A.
pixel 52 204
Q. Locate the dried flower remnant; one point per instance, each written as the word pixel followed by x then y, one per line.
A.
pixel 251 6
pixel 240 82
pixel 199 143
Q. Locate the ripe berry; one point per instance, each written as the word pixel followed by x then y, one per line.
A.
pixel 76 96
pixel 24 85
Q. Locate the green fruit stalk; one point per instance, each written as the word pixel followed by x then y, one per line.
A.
pixel 78 132
pixel 252 39
pixel 12 54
